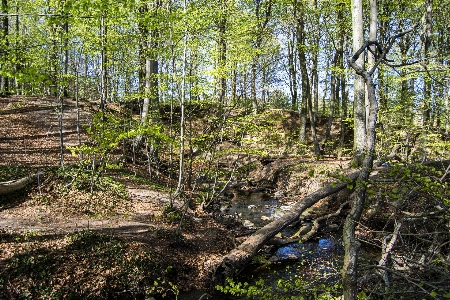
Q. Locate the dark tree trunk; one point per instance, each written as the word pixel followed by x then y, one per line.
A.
pixel 5 33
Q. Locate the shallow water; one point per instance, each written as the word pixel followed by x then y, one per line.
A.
pixel 316 262
pixel 255 210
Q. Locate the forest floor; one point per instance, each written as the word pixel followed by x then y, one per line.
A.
pixel 58 241
pixel 118 236
pixel 42 224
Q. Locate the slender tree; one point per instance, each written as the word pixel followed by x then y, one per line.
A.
pixel 359 85
pixel 5 38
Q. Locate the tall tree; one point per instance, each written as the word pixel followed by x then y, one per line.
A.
pixel 5 40
pixel 306 91
pixel 427 99
pixel 263 13
pixel 359 106
pixel 148 26
pixel 222 52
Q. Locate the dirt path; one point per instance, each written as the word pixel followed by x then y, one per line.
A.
pixel 29 132
pixel 28 216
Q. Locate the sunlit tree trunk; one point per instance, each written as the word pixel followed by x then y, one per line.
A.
pixel 351 244
pixel 359 86
pixel 371 54
pixel 149 75
pixel 182 107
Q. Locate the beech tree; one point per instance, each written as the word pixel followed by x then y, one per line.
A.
pixel 5 45
pixel 351 245
pixel 359 109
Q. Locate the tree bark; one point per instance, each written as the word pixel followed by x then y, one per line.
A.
pixel 5 33
pixel 243 254
pixel 104 95
pixel 149 75
pixel 334 91
pixel 182 106
pixel 359 97
pixel 306 92
pixel 427 99
pixel 292 70
pixel 222 55
pixel 351 245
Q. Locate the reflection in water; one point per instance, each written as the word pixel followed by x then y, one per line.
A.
pixel 258 209
pixel 317 262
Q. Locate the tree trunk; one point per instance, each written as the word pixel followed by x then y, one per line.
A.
pixel 10 187
pixel 292 71
pixel 373 20
pixel 306 92
pixel 351 245
pixel 334 90
pixel 315 70
pixel 5 33
pixel 149 71
pixel 66 52
pixel 182 107
pixel 359 86
pixel 343 81
pixel 103 63
pixel 243 254
pixel 222 59
pixel 427 99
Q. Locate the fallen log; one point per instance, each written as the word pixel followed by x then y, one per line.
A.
pixel 9 187
pixel 244 253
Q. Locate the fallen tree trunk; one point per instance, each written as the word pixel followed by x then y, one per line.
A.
pixel 10 187
pixel 243 254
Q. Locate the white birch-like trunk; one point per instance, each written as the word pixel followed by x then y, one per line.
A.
pixel 373 19
pixel 182 102
pixel 359 85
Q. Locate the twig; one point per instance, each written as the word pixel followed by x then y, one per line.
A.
pixel 317 221
pixel 386 252
pixel 408 279
pixel 445 174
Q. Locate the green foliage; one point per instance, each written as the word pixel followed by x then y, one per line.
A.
pixel 421 179
pixel 172 214
pixel 284 289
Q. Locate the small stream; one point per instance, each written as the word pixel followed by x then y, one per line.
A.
pixel 255 210
pixel 320 260
pixel 317 262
